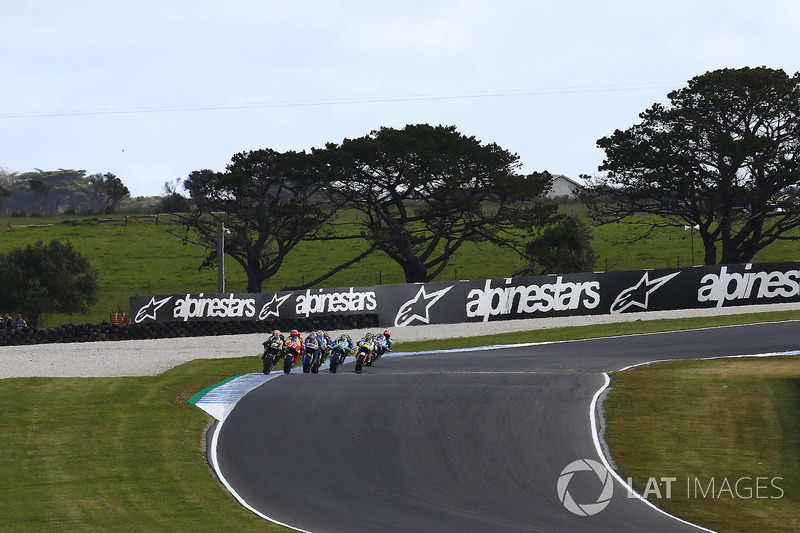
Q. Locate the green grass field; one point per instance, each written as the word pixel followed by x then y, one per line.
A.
pixel 125 454
pixel 142 258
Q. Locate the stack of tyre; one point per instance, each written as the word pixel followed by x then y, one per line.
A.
pixel 107 331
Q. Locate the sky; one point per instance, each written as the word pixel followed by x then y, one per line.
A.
pixel 152 90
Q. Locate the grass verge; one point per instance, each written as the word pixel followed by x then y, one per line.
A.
pixel 726 432
pixel 100 454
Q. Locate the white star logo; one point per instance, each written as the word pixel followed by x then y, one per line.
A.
pixel 639 294
pixel 421 303
pixel 150 310
pixel 269 310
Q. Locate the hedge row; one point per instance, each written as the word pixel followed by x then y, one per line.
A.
pixel 106 331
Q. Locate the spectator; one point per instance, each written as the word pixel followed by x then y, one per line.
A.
pixel 8 323
pixel 19 323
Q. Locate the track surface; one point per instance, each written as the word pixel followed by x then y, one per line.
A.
pixel 461 442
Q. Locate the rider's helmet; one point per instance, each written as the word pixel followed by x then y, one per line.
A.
pixel 295 333
pixel 276 333
pixel 368 336
pixel 387 334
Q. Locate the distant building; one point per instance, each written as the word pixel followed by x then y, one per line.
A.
pixel 563 186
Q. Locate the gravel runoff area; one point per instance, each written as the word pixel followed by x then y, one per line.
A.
pixel 155 356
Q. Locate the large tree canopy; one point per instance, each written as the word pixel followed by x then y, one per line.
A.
pixel 424 191
pixel 269 201
pixel 715 157
pixel 44 279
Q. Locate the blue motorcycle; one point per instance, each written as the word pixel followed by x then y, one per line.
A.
pixel 382 345
pixel 339 350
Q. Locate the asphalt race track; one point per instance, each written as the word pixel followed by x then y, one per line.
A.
pixel 471 441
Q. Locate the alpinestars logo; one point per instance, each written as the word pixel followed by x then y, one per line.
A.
pixel 639 294
pixel 418 308
pixel 272 307
pixel 149 311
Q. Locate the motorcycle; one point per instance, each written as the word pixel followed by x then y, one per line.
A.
pixel 339 351
pixel 381 347
pixel 311 356
pixel 364 355
pixel 291 354
pixel 272 353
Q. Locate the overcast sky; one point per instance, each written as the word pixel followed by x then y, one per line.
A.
pixel 152 90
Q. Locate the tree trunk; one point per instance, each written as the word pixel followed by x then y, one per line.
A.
pixel 253 283
pixel 415 273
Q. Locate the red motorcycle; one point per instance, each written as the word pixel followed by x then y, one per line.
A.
pixel 292 352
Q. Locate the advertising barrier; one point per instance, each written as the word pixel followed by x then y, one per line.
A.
pixel 494 299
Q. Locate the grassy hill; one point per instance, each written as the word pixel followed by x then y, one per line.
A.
pixel 140 257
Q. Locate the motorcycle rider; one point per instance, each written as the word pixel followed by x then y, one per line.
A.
pixel 367 342
pixel 312 341
pixel 345 342
pixel 388 336
pixel 324 342
pixel 276 336
pixel 277 347
pixel 295 336
pixel 311 348
pixel 383 344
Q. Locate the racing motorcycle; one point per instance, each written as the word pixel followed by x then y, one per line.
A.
pixel 291 354
pixel 365 354
pixel 339 351
pixel 381 347
pixel 272 353
pixel 312 355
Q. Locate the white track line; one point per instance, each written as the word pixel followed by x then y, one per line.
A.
pixel 592 415
pixel 596 434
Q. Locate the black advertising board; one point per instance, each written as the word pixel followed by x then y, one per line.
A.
pixel 495 299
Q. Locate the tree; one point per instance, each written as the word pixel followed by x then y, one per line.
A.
pixel 424 191
pixel 173 201
pixel 44 279
pixel 6 180
pixel 562 248
pixel 715 157
pixel 269 201
pixel 99 195
pixel 40 189
pixel 3 194
pixel 116 191
pixel 107 191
